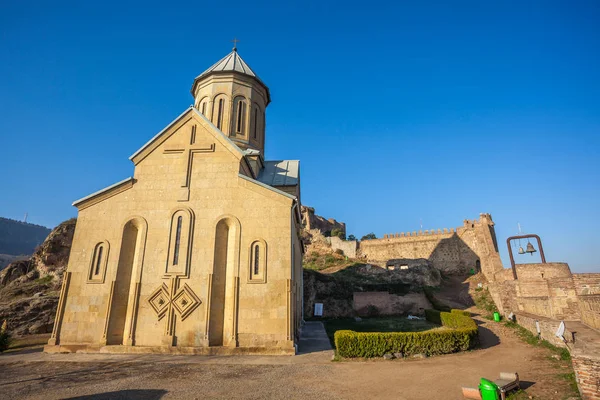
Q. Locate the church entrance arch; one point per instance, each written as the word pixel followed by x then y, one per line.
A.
pixel 224 287
pixel 129 257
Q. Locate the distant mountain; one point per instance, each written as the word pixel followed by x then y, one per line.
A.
pixel 20 238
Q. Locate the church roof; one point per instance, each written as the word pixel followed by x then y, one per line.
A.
pixel 232 62
pixel 280 173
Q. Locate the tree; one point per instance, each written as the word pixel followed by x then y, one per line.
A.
pixel 339 233
pixel 4 337
pixel 369 236
pixel 351 237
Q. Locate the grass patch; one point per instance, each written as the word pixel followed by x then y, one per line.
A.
pixel 46 279
pixel 483 300
pixel 561 352
pixel 518 395
pixel 533 340
pixel 318 262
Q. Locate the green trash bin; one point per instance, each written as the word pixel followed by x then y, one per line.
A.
pixel 489 390
pixel 497 316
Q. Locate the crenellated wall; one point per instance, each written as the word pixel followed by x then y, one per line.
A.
pixel 472 246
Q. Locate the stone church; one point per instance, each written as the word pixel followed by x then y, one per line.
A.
pixel 199 252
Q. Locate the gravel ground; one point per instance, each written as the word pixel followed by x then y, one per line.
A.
pixel 30 374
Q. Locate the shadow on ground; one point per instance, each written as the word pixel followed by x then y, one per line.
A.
pixel 149 394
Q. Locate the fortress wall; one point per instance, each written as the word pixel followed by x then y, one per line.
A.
pixel 587 283
pixel 543 271
pixel 449 250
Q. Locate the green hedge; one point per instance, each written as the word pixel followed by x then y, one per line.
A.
pixel 462 335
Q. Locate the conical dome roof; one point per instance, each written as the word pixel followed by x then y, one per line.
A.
pixel 231 62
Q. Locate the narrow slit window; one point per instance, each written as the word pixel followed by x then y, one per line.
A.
pixel 98 260
pixel 255 122
pixel 256 259
pixel 241 117
pixel 204 108
pixel 177 241
pixel 220 113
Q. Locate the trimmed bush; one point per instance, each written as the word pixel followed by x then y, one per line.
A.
pixel 461 335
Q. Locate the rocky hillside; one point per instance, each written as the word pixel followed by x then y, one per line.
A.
pixel 20 238
pixel 29 288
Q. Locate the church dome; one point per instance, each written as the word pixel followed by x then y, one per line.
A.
pixel 232 62
pixel 231 96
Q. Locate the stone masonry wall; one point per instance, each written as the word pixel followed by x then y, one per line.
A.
pixel 587 372
pixel 347 246
pixel 587 283
pixel 589 308
pixel 471 246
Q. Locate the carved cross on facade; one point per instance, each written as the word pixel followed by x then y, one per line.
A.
pixel 171 300
pixel 189 151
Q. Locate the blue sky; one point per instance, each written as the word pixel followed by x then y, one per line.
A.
pixel 398 111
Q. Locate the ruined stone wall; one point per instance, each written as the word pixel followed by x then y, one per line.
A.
pixel 347 246
pixel 313 221
pixel 472 246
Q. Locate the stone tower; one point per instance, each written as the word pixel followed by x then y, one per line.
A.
pixel 234 99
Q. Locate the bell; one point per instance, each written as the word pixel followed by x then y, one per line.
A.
pixel 530 249
pixel 521 251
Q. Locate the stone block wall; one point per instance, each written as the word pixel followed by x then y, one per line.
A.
pixel 472 246
pixel 548 327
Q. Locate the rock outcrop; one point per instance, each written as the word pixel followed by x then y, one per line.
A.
pixel 29 289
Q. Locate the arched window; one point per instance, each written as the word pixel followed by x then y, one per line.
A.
pixel 240 116
pixel 258 262
pixel 256 259
pixel 218 111
pixel 202 106
pixel 98 260
pixel 98 263
pixel 180 242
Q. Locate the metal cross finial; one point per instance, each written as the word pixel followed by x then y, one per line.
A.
pixel 235 41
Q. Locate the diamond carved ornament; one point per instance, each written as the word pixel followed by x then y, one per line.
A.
pixel 184 301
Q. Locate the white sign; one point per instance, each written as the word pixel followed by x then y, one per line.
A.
pixel 318 309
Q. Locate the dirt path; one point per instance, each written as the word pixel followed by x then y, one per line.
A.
pixel 34 375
